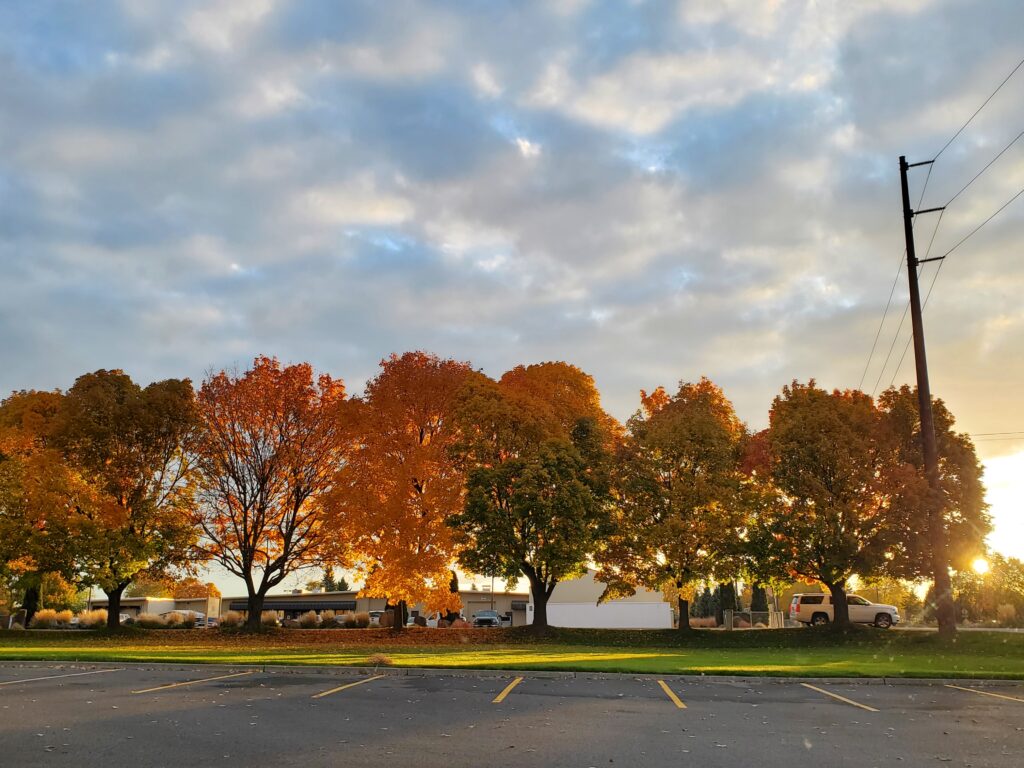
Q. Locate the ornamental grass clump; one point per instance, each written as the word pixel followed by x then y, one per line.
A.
pixel 181 620
pixel 151 621
pixel 232 619
pixel 309 620
pixel 48 618
pixel 96 619
pixel 269 619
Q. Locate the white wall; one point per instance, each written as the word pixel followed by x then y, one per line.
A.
pixel 614 614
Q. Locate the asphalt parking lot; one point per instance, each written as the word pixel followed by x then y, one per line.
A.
pixel 110 716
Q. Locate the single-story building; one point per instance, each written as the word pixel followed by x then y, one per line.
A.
pixel 574 603
pixel 291 605
pixel 134 606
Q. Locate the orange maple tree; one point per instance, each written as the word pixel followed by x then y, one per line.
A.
pixel 400 482
pixel 269 447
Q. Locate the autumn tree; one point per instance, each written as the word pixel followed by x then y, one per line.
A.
pixel 961 509
pixel 678 488
pixel 537 447
pixel 400 483
pixel 831 458
pixel 40 498
pixel 150 586
pixel 191 587
pixel 129 444
pixel 269 445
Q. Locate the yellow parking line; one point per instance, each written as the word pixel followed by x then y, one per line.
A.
pixel 840 698
pixel 347 685
pixel 508 689
pixel 986 693
pixel 53 677
pixel 671 694
pixel 193 682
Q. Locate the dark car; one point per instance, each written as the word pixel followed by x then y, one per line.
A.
pixel 486 619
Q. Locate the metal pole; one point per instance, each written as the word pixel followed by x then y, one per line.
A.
pixel 944 609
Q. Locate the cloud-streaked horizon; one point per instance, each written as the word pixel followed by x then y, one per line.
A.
pixel 653 191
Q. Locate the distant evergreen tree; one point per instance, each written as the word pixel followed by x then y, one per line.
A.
pixel 328 582
pixel 341 585
pixel 705 604
pixel 726 599
pixel 758 598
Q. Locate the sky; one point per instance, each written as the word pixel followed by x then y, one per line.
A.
pixel 653 191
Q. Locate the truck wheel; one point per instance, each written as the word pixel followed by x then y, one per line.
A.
pixel 819 619
pixel 883 621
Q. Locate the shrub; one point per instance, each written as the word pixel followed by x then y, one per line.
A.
pixel 232 619
pixel 327 618
pixel 45 618
pixel 1006 613
pixel 269 619
pixel 92 619
pixel 460 623
pixel 347 620
pixel 151 621
pixel 379 660
pixel 181 620
pixel 309 620
pixel 65 617
pixel 703 622
pixel 362 619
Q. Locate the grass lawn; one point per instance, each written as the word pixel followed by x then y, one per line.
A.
pixel 813 653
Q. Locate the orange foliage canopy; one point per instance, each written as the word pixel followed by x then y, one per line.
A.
pixel 400 482
pixel 270 443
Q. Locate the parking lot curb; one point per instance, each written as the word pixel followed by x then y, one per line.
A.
pixel 347 671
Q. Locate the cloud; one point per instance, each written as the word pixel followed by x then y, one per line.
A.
pixel 653 190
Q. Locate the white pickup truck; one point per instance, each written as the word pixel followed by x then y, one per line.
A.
pixel 816 608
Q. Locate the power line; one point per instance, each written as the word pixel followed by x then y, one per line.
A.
pixel 991 434
pixel 881 323
pixel 979 173
pixel 971 234
pixel 924 187
pixel 888 303
pixel 935 277
pixel 906 347
pixel 978 110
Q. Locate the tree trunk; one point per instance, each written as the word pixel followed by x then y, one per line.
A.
pixel 31 602
pixel 254 610
pixel 540 594
pixel 684 614
pixel 945 608
pixel 840 609
pixel 400 619
pixel 114 606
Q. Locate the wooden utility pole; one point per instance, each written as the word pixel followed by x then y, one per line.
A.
pixel 945 611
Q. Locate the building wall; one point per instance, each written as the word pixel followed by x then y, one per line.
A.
pixel 587 589
pixel 503 604
pixel 574 603
pixel 614 614
pixel 362 603
pixel 133 606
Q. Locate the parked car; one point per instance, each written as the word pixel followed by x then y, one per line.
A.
pixel 431 618
pixel 816 609
pixel 488 618
pixel 375 618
